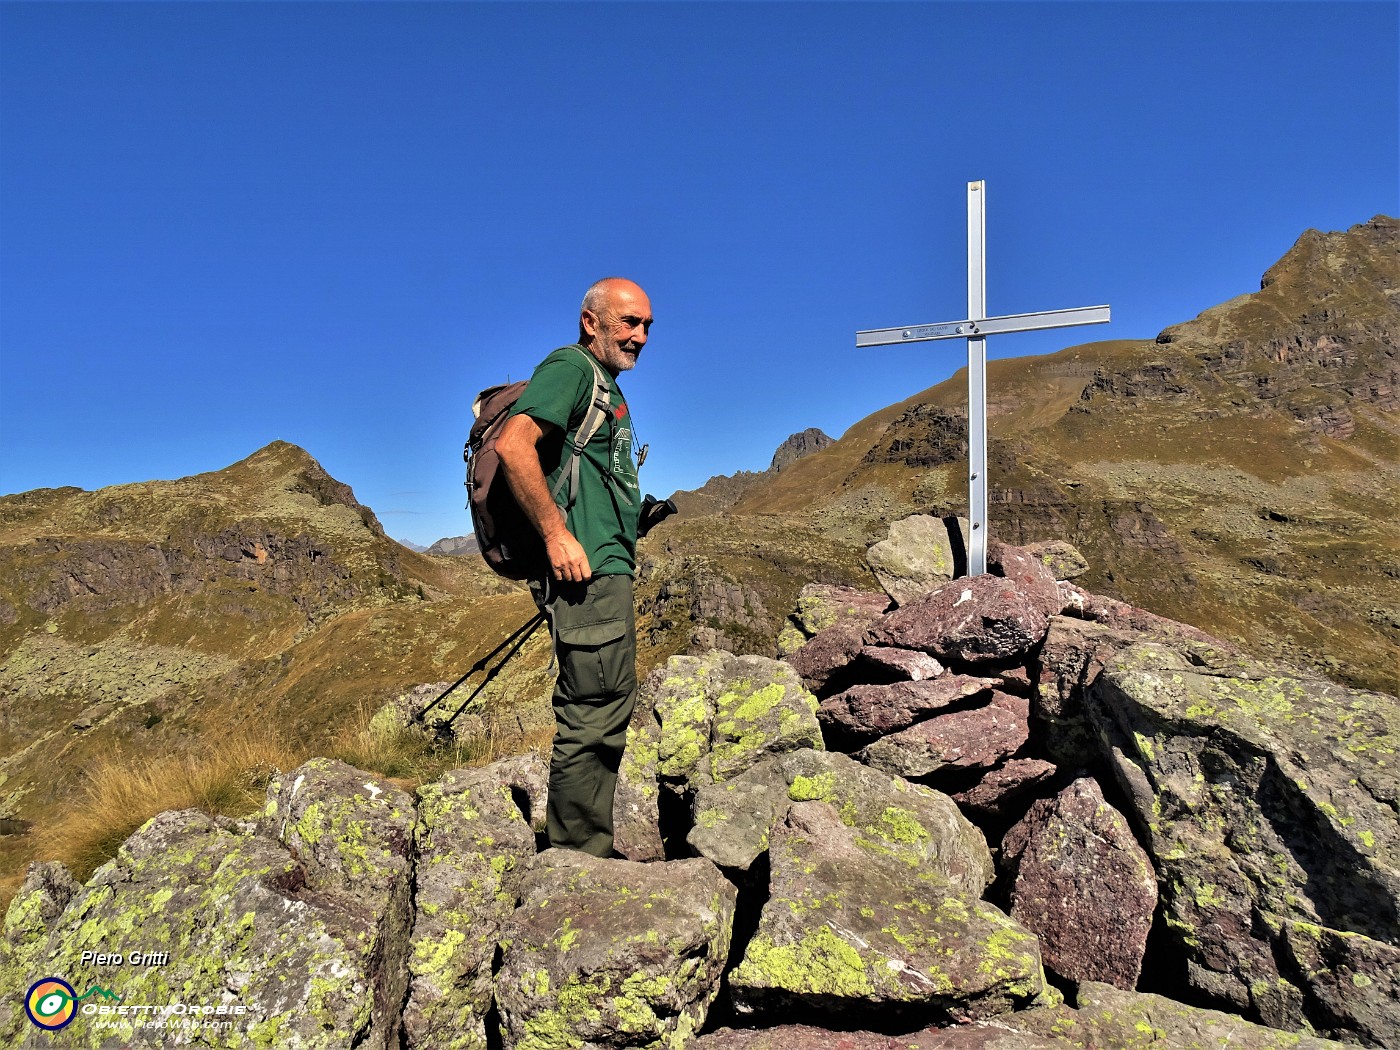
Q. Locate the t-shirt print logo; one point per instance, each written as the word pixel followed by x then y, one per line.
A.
pixel 620 412
pixel 622 466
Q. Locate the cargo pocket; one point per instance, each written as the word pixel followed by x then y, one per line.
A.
pixel 590 658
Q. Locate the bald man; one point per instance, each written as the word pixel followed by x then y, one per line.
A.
pixel 585 584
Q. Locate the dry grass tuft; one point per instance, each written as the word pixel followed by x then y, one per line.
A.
pixel 122 792
pixel 230 777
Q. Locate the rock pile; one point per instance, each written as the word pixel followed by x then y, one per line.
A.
pixel 940 815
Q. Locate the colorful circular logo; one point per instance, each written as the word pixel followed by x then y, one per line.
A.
pixel 51 1003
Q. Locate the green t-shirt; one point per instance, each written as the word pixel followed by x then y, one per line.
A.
pixel 601 520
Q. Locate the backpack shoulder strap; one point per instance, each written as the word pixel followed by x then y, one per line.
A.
pixel 599 408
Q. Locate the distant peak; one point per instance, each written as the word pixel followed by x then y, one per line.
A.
pixel 799 445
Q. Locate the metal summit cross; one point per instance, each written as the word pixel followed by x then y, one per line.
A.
pixel 975 330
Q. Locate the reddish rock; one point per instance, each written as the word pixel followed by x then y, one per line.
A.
pixel 1083 885
pixel 976 739
pixel 900 664
pixel 1016 680
pixel 995 793
pixel 865 711
pixel 828 652
pixel 977 620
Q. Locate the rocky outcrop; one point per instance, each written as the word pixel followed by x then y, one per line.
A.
pixel 906 843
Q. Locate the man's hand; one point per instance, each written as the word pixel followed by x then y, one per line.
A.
pixel 567 560
pixel 518 448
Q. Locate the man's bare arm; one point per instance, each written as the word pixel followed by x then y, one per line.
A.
pixel 518 447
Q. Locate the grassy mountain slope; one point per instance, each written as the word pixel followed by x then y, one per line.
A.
pixel 163 618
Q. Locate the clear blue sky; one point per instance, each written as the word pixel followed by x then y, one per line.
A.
pixel 332 223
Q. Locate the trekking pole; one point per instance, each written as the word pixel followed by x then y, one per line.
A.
pixel 445 726
pixel 522 633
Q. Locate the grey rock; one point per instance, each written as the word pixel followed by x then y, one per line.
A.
pixel 473 846
pixel 848 933
pixel 1108 1018
pixel 611 953
pixel 1062 559
pixel 1268 803
pixel 914 825
pixel 915 558
pixel 720 714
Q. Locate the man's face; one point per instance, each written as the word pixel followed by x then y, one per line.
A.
pixel 620 328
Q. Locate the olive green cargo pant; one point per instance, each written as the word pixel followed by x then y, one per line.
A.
pixel 595 644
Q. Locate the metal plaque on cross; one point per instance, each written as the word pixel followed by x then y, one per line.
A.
pixel 975 329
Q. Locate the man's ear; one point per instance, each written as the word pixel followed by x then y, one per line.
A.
pixel 588 321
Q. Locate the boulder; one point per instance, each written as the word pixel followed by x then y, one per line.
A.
pixel 976 739
pixel 1062 559
pixel 915 558
pixel 301 947
pixel 996 794
pixel 913 825
pixel 474 843
pixel 865 711
pixel 824 605
pixel 846 933
pixel 984 619
pixel 636 802
pixel 611 953
pixel 720 714
pixel 907 665
pixel 1268 802
pixel 1109 1018
pixel 991 1035
pixel 46 891
pixel 1082 884
pixel 828 653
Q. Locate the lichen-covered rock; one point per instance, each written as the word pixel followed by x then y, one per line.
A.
pixel 915 558
pixel 865 711
pixel 1062 559
pixel 921 829
pixel 849 934
pixel 1108 1018
pixel 975 739
pixel 823 605
pixel 990 1035
pixel 1354 981
pixel 721 713
pixel 311 959
pixel 610 953
pixel 411 710
pixel 1082 884
pixel 984 619
pixel 473 843
pixel 46 891
pixel 1269 805
pixel 1073 656
pixel 636 802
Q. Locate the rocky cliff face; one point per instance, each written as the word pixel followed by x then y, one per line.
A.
pixel 998 812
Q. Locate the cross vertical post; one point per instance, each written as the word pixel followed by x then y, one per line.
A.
pixel 975 330
pixel 976 381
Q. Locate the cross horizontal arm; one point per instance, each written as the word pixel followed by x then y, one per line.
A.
pixel 986 326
